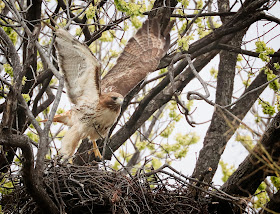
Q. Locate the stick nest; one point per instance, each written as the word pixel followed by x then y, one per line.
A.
pixel 86 189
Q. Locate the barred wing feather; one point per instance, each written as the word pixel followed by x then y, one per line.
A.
pixel 140 56
pixel 80 68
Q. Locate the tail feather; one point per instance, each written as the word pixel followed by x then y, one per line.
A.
pixel 64 118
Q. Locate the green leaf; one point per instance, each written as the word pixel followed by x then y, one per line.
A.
pixel 264 51
pixel 267 108
pixel 245 140
pixel 257 118
pixel 183 43
pixel 160 155
pixel 9 70
pixel 6 186
pixel 214 72
pixel 276 66
pixel 23 80
pixel 106 37
pixel 199 4
pixel 136 22
pixel 260 46
pixel 274 85
pixel 116 166
pixel 187 139
pixel 189 104
pixel 167 132
pixel 181 145
pixel 60 111
pixel 275 181
pixel 33 136
pixel 156 163
pixel 181 153
pixel 173 112
pixel 247 82
pixel 239 58
pixel 185 3
pixel 261 196
pixel 11 33
pixel 226 170
pixel 130 8
pixel 264 57
pixel 141 145
pixel 91 11
pixel 26 97
pixel 114 53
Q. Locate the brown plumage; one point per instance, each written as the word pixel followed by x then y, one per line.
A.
pixel 89 120
pixel 140 56
pixel 97 106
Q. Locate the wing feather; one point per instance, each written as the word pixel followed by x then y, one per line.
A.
pixel 79 66
pixel 140 56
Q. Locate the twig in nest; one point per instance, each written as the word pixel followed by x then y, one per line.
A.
pixel 84 187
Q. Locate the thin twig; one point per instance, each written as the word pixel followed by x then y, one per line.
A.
pixel 30 115
pixel 207 94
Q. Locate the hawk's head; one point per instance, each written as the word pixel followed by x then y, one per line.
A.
pixel 111 100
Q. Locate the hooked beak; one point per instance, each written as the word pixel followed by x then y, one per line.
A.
pixel 120 100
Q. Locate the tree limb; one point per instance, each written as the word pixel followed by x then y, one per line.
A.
pixel 272 205
pixel 255 166
pixel 30 178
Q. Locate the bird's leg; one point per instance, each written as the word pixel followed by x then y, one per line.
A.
pixel 95 150
pixel 70 141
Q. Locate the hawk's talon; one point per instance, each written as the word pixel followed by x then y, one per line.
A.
pixel 96 152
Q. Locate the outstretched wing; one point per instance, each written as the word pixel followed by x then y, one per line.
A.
pixel 141 55
pixel 79 66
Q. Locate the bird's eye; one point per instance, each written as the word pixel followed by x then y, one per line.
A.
pixel 114 98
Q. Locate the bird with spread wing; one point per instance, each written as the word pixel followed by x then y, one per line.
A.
pixel 97 103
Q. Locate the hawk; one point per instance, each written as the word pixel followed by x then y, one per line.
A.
pixel 97 103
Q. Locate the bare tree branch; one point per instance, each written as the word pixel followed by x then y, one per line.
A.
pixel 241 182
pixel 31 180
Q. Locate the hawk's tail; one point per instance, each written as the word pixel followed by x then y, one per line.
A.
pixel 64 118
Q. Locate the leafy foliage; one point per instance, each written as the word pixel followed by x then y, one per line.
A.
pixel 129 8
pixel 267 108
pixel 274 85
pixel 11 33
pixel 9 70
pixel 246 141
pixel 226 170
pixel 264 51
pixel 214 72
pixel 275 181
pixel 261 196
pixel 183 43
